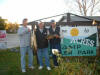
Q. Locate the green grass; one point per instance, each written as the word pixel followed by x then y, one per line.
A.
pixel 10 65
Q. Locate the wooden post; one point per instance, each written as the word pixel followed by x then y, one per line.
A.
pixel 68 17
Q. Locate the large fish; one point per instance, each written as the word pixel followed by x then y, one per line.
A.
pixel 33 39
pixel 34 42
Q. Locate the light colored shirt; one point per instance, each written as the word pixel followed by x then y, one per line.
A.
pixel 41 30
pixel 24 36
pixel 54 29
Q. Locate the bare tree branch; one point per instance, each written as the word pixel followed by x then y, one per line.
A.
pixel 86 7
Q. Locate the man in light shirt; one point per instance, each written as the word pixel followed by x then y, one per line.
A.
pixel 25 38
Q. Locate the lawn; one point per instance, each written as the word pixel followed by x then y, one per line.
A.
pixel 10 64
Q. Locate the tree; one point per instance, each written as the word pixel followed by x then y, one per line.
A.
pixel 12 27
pixel 86 7
pixel 2 24
pixel 6 25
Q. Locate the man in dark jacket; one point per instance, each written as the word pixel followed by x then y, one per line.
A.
pixel 42 45
pixel 55 42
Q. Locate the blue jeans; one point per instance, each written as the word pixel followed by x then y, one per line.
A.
pixel 41 53
pixel 23 51
pixel 55 46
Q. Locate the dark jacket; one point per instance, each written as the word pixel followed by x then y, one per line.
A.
pixel 42 42
pixel 55 40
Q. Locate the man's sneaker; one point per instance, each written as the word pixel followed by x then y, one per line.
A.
pixel 48 68
pixel 32 67
pixel 23 70
pixel 41 67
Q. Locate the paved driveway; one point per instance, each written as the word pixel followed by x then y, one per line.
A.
pixel 12 40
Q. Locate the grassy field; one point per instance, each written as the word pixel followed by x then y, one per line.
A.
pixel 10 65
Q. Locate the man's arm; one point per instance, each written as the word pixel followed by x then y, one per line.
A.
pixel 22 31
pixel 57 35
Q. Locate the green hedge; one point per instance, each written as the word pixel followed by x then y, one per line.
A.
pixel 2 24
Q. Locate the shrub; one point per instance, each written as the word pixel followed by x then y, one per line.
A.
pixel 2 24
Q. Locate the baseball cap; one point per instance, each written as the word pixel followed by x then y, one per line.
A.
pixel 52 21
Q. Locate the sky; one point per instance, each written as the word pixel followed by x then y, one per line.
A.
pixel 17 10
